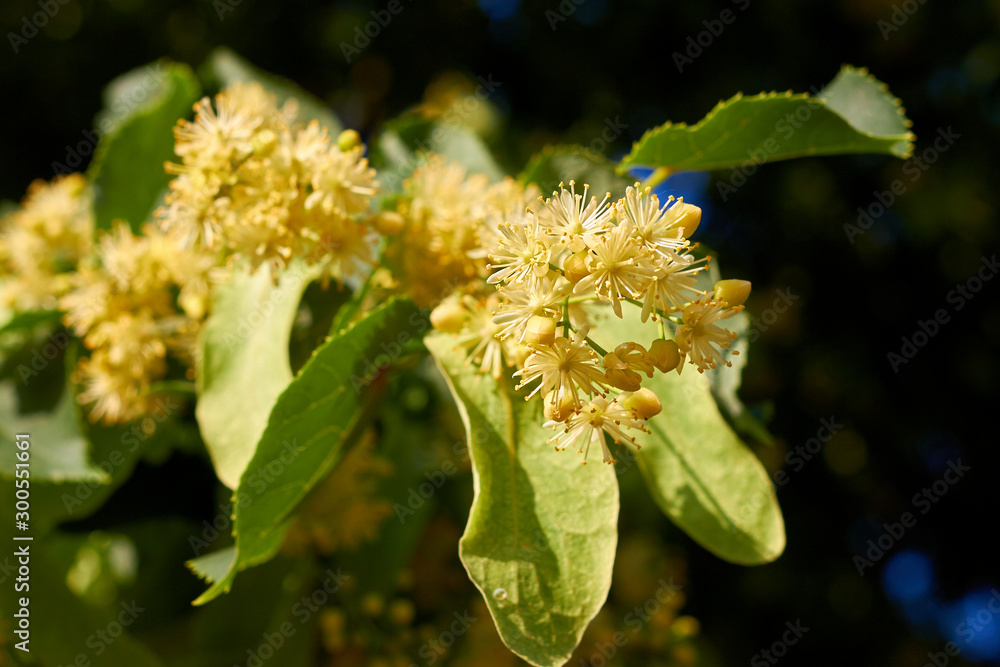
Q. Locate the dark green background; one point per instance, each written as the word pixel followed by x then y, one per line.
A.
pixel 783 230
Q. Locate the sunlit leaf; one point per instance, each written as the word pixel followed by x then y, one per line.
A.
pixel 542 532
pixel 854 114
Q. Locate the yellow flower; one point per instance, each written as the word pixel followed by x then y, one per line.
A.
pixel 542 297
pixel 254 99
pixel 661 228
pixel 479 336
pixel 253 185
pixel 672 285
pixel 123 307
pixel 566 367
pixel 619 269
pixel 700 338
pixel 443 211
pixel 218 134
pixel 567 216
pixel 590 423
pixel 519 256
pixel 114 394
pixel 42 242
pixel 342 182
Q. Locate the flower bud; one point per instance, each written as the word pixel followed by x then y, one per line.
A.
pixel 401 612
pixel 634 356
pixel 264 142
pixel 449 317
pixel 686 626
pixel 348 139
pixel 664 355
pixel 332 622
pixel 688 218
pixel 561 409
pixel 388 223
pixel 575 267
pixel 619 375
pixel 733 292
pixel 540 330
pixel 194 305
pixel 517 353
pixel 643 402
pixel 372 604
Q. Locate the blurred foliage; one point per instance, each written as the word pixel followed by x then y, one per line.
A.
pixel 785 231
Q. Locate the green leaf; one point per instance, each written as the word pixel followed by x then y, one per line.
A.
pixel 59 450
pixel 214 566
pixel 228 68
pixel 698 471
pixel 75 465
pixel 562 164
pixel 244 364
pixel 542 532
pixel 307 430
pixel 63 626
pixel 398 149
pixel 141 109
pixel 854 114
pixel 30 320
pixel 868 106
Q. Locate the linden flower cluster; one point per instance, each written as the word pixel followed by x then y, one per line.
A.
pixel 42 242
pixel 123 306
pixel 552 259
pixel 253 184
pixel 444 221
